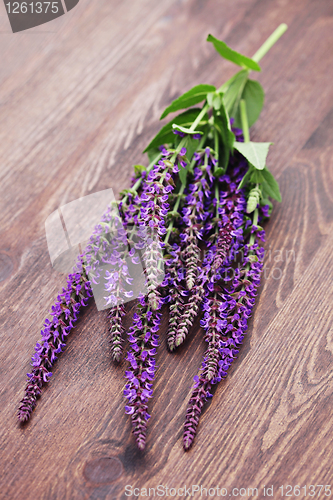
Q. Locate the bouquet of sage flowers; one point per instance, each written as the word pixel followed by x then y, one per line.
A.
pixel 194 218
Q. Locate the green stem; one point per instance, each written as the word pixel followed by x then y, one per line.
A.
pixel 217 191
pixel 271 40
pixel 236 103
pixel 245 123
pixel 216 147
pixel 179 147
pixel 198 118
pixel 175 208
pixel 200 146
pixel 181 191
pixel 255 223
pixel 139 181
pixel 142 339
pixel 217 196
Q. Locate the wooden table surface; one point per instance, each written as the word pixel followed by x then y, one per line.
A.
pixel 79 102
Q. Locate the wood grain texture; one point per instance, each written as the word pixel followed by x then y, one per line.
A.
pixel 78 105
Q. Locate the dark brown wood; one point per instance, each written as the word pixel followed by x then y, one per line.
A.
pixel 78 105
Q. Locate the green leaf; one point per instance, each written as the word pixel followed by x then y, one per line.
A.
pixel 231 80
pixel 233 56
pixel 152 154
pixel 183 174
pixel 190 98
pixel 191 146
pixel 186 130
pixel 270 185
pixel 125 192
pixel 245 178
pixel 232 140
pixel 138 169
pixel 254 152
pixel 233 91
pixel 217 101
pixel 173 215
pixel 257 177
pixel 210 98
pixel 214 100
pixel 254 96
pixel 266 201
pixel 218 172
pixel 166 135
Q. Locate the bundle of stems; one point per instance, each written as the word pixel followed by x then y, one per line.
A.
pixel 193 219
